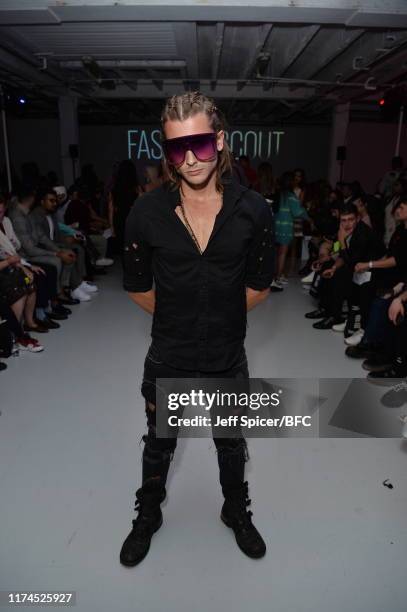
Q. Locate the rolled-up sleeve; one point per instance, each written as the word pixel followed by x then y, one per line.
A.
pixel 260 262
pixel 137 256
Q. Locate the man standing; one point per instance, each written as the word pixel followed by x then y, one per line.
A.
pixel 206 242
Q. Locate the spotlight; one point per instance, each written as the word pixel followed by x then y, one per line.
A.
pixel 22 100
pixel 382 102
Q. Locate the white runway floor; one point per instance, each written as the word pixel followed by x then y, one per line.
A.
pixel 70 462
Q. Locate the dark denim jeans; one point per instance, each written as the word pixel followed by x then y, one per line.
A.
pixel 155 368
pixel 379 329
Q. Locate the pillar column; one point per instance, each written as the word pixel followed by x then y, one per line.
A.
pixel 69 138
pixel 339 128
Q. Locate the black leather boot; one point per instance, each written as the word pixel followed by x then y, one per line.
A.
pixel 236 516
pixel 156 462
pixel 232 455
pixel 149 520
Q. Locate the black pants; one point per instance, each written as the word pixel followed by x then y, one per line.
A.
pixel 363 296
pixel 158 452
pixel 46 285
pixel 333 291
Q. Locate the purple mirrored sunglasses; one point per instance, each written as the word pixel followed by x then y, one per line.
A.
pixel 203 146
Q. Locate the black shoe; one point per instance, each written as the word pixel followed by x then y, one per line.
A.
pixel 3 366
pixel 377 363
pixel 61 309
pixel 68 300
pixel 40 329
pixel 235 515
pixel 49 323
pixel 316 314
pixel 149 520
pixel 395 371
pixel 361 351
pixel 326 323
pixel 57 316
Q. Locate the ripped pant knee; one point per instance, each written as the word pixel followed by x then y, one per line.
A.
pixel 154 444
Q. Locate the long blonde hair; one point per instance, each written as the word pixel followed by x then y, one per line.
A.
pixel 183 106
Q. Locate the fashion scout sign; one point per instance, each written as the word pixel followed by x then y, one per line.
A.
pixel 144 144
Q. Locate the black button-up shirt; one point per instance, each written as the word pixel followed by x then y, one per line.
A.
pixel 199 320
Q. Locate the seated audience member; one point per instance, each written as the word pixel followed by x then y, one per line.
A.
pixel 369 212
pixel 392 268
pixel 384 344
pixel 75 236
pixel 45 278
pixel 326 226
pixel 355 242
pixel 388 276
pixel 43 219
pixel 37 247
pixel 62 203
pixel 81 215
pixel 17 290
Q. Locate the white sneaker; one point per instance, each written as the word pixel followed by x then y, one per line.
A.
pixel 79 294
pixel 104 261
pixel 26 343
pixel 339 327
pixel 308 280
pixel 283 280
pixel 88 287
pixel 355 338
